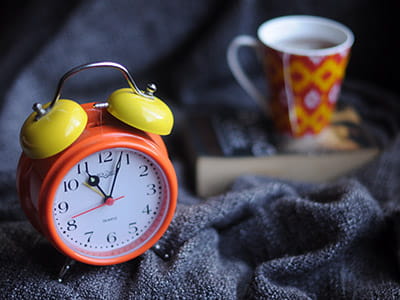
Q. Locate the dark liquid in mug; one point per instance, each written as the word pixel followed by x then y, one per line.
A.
pixel 306 43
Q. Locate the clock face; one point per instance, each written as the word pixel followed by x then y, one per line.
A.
pixel 111 203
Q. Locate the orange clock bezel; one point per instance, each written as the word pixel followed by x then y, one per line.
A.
pixel 102 133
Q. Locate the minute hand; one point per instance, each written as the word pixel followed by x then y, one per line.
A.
pixel 117 167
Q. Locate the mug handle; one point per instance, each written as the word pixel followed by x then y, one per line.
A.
pixel 232 56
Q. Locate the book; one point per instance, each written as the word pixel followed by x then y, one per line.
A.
pixel 224 145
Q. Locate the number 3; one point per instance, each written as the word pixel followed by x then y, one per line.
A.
pixel 152 189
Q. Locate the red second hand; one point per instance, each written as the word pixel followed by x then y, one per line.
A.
pixel 109 201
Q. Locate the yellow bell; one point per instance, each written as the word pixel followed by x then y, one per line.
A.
pixel 53 132
pixel 145 113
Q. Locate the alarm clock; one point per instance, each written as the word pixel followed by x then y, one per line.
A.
pixel 95 178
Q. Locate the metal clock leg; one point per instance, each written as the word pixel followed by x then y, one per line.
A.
pixel 65 268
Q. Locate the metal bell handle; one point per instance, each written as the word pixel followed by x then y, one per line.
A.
pixel 37 107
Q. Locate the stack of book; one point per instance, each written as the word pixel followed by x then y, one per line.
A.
pixel 223 146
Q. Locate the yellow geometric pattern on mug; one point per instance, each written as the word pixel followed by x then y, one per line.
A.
pixel 305 122
pixel 314 121
pixel 323 77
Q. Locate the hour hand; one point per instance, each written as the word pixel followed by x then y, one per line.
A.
pixel 93 181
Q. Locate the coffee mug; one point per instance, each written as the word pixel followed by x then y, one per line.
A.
pixel 304 58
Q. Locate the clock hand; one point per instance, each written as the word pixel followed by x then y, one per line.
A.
pixel 94 180
pixel 117 167
pixel 109 201
pixel 93 188
pixel 89 210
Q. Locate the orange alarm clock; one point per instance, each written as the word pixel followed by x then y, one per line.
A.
pixel 95 179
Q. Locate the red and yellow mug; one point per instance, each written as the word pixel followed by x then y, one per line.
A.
pixel 305 59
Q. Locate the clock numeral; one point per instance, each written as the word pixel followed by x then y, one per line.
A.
pixel 63 207
pixel 146 210
pixel 144 170
pixel 151 189
pixel 84 168
pixel 105 157
pixel 127 159
pixel 133 228
pixel 89 235
pixel 71 185
pixel 111 237
pixel 72 225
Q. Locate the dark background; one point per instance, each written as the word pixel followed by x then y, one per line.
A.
pixel 179 44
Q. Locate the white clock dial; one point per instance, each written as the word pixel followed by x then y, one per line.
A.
pixel 111 203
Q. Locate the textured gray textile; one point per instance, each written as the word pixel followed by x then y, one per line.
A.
pixel 262 239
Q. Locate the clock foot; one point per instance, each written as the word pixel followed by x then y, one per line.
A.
pixel 65 268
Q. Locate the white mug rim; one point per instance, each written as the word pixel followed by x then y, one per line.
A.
pixel 334 25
